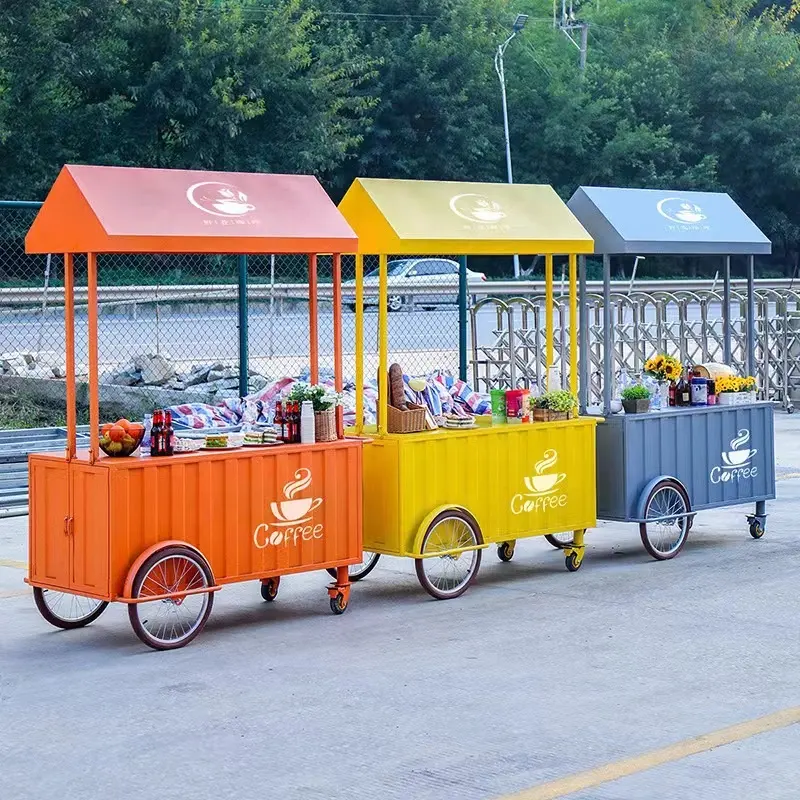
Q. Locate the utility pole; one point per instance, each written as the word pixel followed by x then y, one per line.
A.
pixel 568 23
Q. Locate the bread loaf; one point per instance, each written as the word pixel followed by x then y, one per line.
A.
pixel 397 392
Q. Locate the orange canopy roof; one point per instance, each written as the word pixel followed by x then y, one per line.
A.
pixel 133 210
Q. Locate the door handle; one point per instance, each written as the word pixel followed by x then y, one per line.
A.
pixel 69 526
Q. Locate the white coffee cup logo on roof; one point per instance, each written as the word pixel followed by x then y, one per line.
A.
pixel 219 199
pixel 681 211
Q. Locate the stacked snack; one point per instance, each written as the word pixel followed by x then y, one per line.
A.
pixel 216 441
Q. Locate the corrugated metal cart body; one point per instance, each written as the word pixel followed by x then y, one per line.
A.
pixel 723 456
pixel 515 480
pixel 234 507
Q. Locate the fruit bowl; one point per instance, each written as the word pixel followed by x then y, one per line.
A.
pixel 121 438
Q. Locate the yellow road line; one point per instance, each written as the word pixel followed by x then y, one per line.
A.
pixel 9 562
pixel 655 758
pixel 6 595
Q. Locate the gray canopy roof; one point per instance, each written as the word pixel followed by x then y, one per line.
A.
pixel 644 221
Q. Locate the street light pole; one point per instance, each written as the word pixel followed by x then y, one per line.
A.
pixel 499 68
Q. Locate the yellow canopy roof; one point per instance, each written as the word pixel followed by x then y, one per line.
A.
pixel 401 217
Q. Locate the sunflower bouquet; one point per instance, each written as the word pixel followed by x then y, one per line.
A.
pixel 663 367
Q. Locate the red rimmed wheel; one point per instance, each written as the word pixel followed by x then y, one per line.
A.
pixel 170 623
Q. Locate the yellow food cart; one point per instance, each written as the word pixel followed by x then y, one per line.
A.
pixel 442 496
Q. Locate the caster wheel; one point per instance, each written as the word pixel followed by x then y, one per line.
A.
pixel 790 410
pixel 338 604
pixel 505 551
pixel 269 589
pixel 573 562
pixel 756 529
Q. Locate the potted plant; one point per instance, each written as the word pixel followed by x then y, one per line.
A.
pixel 729 389
pixel 558 404
pixel 325 401
pixel 749 389
pixel 665 369
pixel 636 399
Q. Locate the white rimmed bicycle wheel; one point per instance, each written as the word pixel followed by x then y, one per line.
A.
pixel 449 575
pixel 667 506
pixel 559 540
pixel 169 623
pixel 67 611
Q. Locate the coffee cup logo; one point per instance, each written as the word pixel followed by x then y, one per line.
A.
pixel 736 461
pixel 477 208
pixel 219 199
pixel 293 515
pixel 681 211
pixel 542 487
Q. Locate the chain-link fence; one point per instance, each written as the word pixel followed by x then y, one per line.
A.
pixel 172 321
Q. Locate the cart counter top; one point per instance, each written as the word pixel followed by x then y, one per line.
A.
pixel 132 462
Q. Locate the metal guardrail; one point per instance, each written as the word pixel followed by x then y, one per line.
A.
pixel 15 447
pixel 204 293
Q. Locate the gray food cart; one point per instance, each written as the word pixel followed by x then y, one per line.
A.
pixel 657 469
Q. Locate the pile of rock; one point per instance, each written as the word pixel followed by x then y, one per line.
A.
pixel 25 364
pixel 214 381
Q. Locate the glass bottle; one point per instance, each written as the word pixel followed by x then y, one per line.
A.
pixel 156 433
pixel 673 394
pixel 684 391
pixel 169 435
pixel 280 421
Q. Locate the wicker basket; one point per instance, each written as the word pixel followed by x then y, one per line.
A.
pixel 546 415
pixel 325 425
pixel 411 421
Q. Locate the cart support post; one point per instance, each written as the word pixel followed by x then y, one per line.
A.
pixel 726 311
pixel 608 352
pixel 573 323
pixel 337 337
pixel 94 398
pixel 751 316
pixel 313 337
pixel 462 318
pixel 359 343
pixel 69 345
pixel 549 352
pixel 383 345
pixel 583 310
pixel 244 367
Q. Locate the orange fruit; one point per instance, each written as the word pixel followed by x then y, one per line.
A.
pixel 117 433
pixel 135 428
pixel 106 428
pixel 123 423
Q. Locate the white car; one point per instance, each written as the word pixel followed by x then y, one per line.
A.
pixel 440 273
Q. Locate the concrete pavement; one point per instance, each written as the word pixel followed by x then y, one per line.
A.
pixel 531 676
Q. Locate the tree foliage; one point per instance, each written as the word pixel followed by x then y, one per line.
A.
pixel 701 94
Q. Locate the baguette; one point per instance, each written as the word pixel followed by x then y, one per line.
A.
pixel 397 392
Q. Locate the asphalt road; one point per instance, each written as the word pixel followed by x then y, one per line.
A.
pixel 532 676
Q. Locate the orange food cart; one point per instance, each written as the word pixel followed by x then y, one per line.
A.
pixel 164 534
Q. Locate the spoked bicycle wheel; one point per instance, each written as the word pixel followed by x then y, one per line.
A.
pixel 666 505
pixel 449 575
pixel 358 571
pixel 169 623
pixel 559 540
pixel 67 611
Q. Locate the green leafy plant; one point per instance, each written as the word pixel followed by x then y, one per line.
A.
pixel 556 400
pixel 637 392
pixel 322 397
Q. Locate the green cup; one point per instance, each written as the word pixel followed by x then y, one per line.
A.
pixel 498 398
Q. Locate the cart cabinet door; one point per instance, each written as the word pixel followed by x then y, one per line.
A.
pixel 49 544
pixel 90 539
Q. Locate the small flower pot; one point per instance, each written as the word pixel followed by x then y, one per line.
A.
pixel 640 406
pixel 728 398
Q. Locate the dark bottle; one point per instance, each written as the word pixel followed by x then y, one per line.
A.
pixel 280 421
pixel 296 409
pixel 673 392
pixel 169 435
pixel 290 423
pixel 157 434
